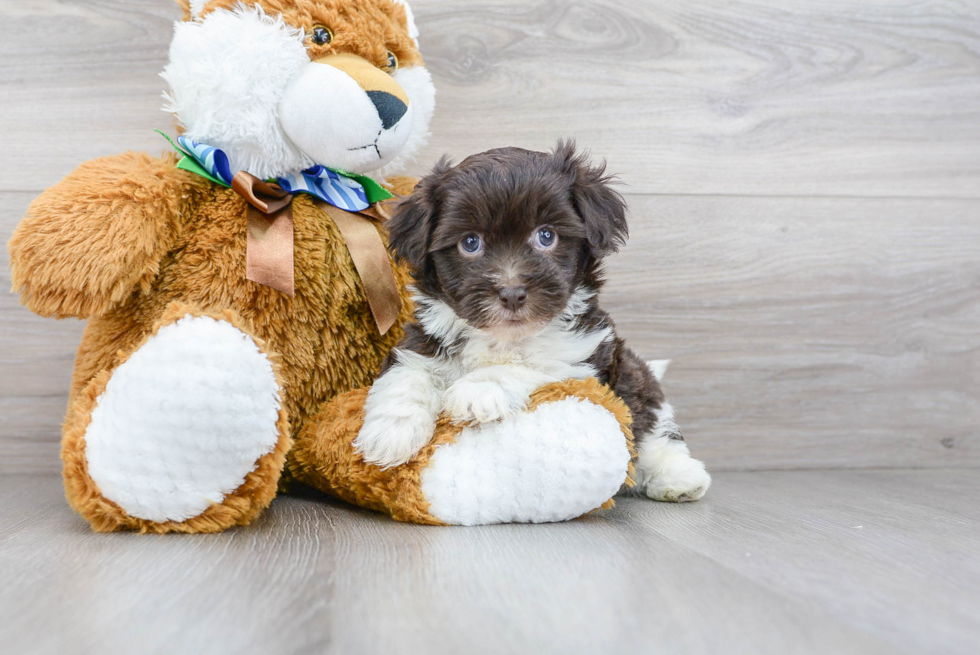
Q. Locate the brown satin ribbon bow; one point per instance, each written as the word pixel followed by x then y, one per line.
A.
pixel 269 253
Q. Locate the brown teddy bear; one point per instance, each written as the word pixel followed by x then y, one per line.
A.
pixel 216 330
pixel 236 286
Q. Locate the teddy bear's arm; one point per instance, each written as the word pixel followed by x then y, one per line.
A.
pixel 92 239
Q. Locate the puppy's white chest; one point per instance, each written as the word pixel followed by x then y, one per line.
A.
pixel 549 353
pixel 481 355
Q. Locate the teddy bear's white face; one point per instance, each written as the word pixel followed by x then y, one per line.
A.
pixel 244 81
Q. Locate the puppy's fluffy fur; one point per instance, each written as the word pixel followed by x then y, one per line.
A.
pixel 507 249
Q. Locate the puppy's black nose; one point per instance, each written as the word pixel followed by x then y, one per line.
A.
pixel 512 297
pixel 390 109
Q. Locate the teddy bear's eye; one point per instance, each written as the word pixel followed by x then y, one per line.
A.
pixel 321 35
pixel 392 65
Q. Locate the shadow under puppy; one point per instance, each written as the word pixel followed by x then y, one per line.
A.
pixel 506 249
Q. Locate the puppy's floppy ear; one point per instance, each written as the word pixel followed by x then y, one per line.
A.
pixel 602 209
pixel 414 218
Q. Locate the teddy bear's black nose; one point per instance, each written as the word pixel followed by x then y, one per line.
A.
pixel 390 108
pixel 512 297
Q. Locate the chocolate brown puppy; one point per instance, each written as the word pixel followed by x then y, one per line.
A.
pixel 506 250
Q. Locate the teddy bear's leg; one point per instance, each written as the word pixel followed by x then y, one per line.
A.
pixel 568 454
pixel 187 434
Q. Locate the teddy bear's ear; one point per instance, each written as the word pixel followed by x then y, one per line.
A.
pixel 414 219
pixel 413 31
pixel 192 8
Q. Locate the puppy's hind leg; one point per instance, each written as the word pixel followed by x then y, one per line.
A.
pixel 664 467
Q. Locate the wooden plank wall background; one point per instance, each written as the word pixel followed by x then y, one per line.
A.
pixel 804 180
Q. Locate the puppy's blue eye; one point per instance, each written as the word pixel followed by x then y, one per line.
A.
pixel 471 244
pixel 545 238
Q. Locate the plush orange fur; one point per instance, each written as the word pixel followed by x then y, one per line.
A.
pixel 367 28
pixel 323 455
pixel 324 458
pixel 324 337
pixel 92 239
pixel 325 334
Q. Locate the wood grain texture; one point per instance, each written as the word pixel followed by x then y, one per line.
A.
pixel 810 332
pixel 800 562
pixel 36 360
pixel 710 96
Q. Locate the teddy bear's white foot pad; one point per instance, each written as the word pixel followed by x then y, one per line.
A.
pixel 183 420
pixel 558 462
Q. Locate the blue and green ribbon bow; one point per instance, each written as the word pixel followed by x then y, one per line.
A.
pixel 343 190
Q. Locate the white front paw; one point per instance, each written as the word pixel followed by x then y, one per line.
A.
pixel 387 440
pixel 680 478
pixel 399 416
pixel 483 401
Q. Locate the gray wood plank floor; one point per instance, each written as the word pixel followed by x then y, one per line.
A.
pixel 805 189
pixel 770 562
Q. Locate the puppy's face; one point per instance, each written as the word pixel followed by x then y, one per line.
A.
pixel 507 236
